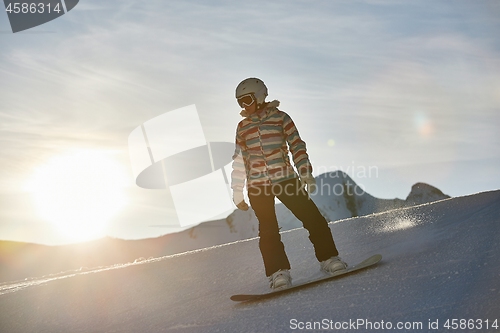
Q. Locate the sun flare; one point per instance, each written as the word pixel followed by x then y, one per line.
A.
pixel 79 193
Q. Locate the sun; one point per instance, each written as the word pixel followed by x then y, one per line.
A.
pixel 79 192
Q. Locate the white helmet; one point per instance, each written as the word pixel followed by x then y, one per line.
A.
pixel 252 86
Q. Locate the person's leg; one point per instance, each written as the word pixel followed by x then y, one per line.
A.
pixel 270 244
pixel 297 200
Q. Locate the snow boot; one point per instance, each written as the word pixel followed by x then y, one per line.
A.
pixel 333 266
pixel 280 279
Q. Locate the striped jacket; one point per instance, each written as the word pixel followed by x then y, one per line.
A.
pixel 261 154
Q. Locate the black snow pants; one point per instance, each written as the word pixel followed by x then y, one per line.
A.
pixel 296 199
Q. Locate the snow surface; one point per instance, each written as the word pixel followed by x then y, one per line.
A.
pixel 440 261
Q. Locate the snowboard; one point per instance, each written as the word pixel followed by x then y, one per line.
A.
pixel 350 269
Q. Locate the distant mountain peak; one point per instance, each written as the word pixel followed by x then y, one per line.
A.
pixel 423 193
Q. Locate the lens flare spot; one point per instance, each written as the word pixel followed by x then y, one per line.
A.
pixel 423 125
pixel 331 143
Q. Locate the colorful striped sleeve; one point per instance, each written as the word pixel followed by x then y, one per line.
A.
pixel 297 146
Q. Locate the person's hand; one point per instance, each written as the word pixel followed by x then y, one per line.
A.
pixel 308 181
pixel 239 200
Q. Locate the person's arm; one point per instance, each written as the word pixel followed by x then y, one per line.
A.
pixel 299 154
pixel 297 147
pixel 238 177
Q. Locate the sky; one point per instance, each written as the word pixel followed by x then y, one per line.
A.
pixel 409 91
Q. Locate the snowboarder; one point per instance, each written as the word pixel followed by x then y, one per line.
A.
pixel 263 140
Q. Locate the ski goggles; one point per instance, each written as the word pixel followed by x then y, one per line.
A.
pixel 246 100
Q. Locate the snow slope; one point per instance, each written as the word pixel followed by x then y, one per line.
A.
pixel 440 261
